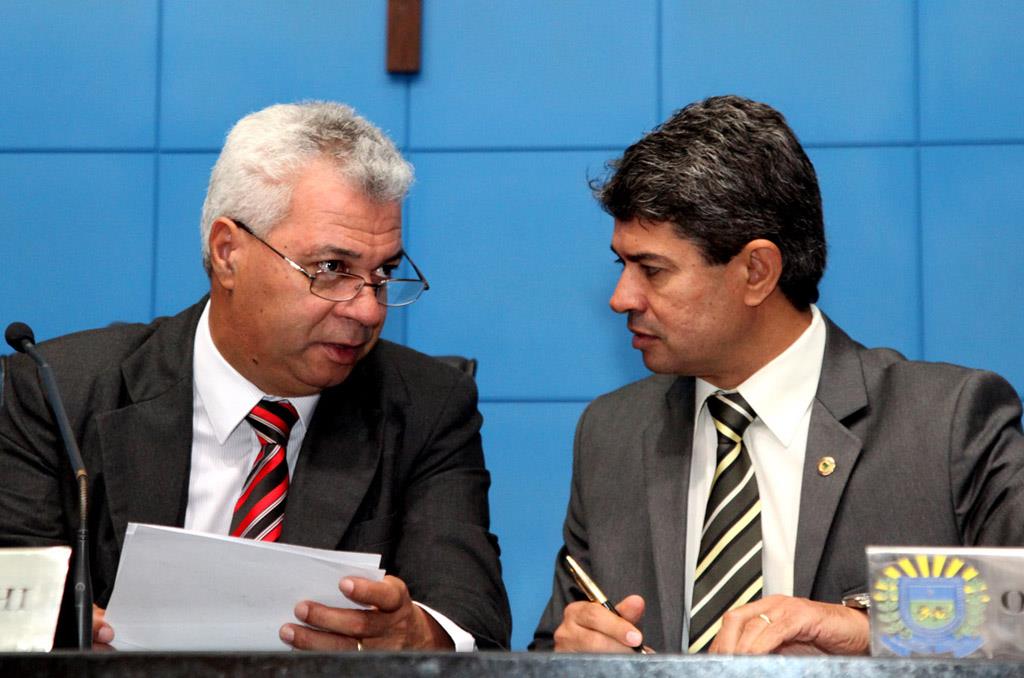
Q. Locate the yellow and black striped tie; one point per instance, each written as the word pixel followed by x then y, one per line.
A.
pixel 728 570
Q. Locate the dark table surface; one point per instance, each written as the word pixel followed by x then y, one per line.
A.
pixel 392 665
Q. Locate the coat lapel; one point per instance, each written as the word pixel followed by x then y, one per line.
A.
pixel 338 461
pixel 841 394
pixel 146 444
pixel 667 447
pixel 146 457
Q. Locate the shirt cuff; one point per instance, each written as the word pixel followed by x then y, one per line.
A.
pixel 462 640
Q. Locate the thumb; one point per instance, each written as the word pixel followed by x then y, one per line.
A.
pixel 632 609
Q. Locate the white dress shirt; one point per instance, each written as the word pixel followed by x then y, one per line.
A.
pixel 224 447
pixel 781 393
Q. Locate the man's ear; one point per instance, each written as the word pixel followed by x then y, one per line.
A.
pixel 762 260
pixel 225 240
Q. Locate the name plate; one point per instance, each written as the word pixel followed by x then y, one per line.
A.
pixel 946 602
pixel 31 588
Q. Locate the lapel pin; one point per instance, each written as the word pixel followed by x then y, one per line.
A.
pixel 826 466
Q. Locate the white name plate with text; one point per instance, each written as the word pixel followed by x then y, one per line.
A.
pixel 31 588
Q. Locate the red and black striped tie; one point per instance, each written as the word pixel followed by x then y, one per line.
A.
pixel 259 511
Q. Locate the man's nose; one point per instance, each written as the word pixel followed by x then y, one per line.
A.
pixel 625 297
pixel 364 308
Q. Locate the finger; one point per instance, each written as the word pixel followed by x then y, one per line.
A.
pixel 305 638
pixel 632 609
pixel 830 628
pixel 603 630
pixel 733 623
pixel 354 623
pixel 798 650
pixel 387 595
pixel 598 618
pixel 761 634
pixel 572 638
pixel 102 632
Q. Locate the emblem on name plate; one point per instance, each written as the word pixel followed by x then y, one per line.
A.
pixel 930 605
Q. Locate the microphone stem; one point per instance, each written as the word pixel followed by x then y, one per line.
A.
pixel 82 576
pixel 50 384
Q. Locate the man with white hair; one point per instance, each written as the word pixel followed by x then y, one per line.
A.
pixel 271 409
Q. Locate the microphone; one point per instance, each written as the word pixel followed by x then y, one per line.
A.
pixel 18 335
pixel 21 338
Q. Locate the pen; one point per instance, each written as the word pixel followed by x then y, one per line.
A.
pixel 594 593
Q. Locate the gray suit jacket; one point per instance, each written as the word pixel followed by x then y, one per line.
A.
pixel 391 463
pixel 926 454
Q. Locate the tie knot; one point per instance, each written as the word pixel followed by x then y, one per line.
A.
pixel 732 411
pixel 273 420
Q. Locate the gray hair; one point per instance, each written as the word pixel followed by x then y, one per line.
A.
pixel 725 171
pixel 253 178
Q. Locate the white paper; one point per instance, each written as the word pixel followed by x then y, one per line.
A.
pixel 182 590
pixel 31 588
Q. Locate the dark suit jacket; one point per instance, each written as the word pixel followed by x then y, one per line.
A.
pixel 391 463
pixel 926 454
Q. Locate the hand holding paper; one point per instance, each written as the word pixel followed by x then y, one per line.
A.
pixel 392 621
pixel 180 590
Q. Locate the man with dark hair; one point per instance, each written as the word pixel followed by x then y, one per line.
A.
pixel 272 410
pixel 726 501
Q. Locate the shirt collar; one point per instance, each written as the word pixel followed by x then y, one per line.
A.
pixel 783 390
pixel 225 394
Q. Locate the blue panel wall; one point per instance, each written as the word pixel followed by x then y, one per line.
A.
pixel 523 499
pixel 111 115
pixel 972 70
pixel 77 233
pixel 510 242
pixel 535 73
pixel 872 281
pixel 180 279
pixel 973 217
pixel 840 71
pixel 224 59
pixel 80 75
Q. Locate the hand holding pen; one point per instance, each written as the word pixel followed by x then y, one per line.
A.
pixel 595 595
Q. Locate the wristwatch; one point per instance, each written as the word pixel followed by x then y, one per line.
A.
pixel 857 601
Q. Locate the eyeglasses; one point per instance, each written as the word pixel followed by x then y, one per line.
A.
pixel 337 286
